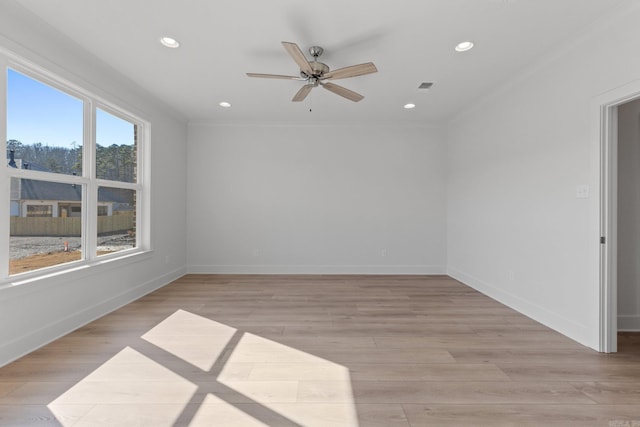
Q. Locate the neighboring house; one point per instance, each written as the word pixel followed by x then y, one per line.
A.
pixel 34 198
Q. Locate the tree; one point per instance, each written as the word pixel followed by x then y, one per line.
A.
pixel 115 162
pixel 53 165
pixel 14 144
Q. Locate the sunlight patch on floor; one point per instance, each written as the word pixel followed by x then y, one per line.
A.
pixel 215 411
pixel 192 338
pixel 276 368
pixel 132 380
pixel 201 372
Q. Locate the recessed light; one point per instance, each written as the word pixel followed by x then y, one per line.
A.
pixel 409 106
pixel 464 46
pixel 170 42
pixel 225 104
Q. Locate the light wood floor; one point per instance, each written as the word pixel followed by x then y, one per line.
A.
pixel 320 351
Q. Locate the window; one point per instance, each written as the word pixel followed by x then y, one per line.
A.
pixel 117 228
pixel 44 126
pixel 74 164
pixel 116 161
pixel 39 211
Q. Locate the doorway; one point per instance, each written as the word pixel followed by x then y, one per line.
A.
pixel 619 250
pixel 628 245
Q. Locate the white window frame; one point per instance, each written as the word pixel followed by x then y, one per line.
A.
pixel 87 179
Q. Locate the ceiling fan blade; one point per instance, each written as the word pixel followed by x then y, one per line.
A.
pixel 302 93
pixel 344 92
pixel 298 56
pixel 274 76
pixel 352 71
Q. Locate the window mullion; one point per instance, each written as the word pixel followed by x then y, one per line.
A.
pixel 90 198
pixel 143 237
pixel 5 179
pixel 118 184
pixel 46 176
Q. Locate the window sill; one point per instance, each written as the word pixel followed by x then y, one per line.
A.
pixel 26 283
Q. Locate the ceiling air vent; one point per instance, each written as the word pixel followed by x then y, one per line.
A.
pixel 425 86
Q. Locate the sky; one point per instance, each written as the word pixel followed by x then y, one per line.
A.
pixel 39 113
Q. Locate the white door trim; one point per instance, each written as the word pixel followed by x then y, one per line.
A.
pixel 605 114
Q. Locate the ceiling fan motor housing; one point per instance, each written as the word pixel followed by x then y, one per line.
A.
pixel 318 68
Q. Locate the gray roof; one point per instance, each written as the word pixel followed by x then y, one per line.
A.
pixel 21 164
pixel 44 190
pixel 31 189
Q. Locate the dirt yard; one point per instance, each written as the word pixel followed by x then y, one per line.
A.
pixel 32 253
pixel 34 262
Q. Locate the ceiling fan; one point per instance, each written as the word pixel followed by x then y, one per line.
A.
pixel 316 73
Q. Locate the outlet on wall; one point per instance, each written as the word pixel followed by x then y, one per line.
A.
pixel 383 252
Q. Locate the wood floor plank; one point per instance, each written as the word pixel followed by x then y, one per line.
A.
pixel 538 353
pixel 381 415
pixel 8 385
pixel 320 351
pixel 611 393
pixel 484 392
pixel 572 371
pixel 452 372
pixel 522 415
pixel 41 415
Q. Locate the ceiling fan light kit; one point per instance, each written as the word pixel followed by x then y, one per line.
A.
pixel 316 73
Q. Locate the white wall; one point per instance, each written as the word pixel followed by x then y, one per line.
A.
pixel 316 199
pixel 516 230
pixel 32 314
pixel 629 216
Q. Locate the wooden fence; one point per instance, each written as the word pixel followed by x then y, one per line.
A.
pixel 68 227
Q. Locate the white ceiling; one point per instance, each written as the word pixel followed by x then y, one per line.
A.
pixel 410 41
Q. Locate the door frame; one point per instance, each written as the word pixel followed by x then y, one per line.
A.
pixel 605 110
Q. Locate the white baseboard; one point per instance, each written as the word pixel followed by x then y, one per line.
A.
pixel 552 320
pixel 318 269
pixel 25 344
pixel 629 323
